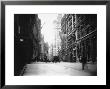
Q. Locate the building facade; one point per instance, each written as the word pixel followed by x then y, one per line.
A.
pixel 63 36
pixel 68 41
pixel 24 40
pixel 79 37
pixel 44 54
pixel 36 39
pixel 86 27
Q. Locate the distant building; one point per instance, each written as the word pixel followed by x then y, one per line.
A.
pixel 44 54
pixel 57 40
pixel 51 53
pixel 46 51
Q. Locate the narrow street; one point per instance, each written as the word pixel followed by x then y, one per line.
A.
pixel 55 44
pixel 58 69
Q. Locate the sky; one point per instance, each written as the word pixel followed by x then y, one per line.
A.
pixel 49 31
pixel 48 28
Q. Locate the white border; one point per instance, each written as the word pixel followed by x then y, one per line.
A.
pixel 100 79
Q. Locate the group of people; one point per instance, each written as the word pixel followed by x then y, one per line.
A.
pixel 54 59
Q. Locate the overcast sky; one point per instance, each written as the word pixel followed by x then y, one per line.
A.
pixel 48 27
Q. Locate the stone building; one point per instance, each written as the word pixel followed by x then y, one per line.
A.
pixel 26 39
pixel 36 39
pixel 86 27
pixel 63 35
pixel 68 40
pixel 79 37
pixel 44 54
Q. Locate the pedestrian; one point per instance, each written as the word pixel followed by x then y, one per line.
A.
pixel 83 59
pixel 83 62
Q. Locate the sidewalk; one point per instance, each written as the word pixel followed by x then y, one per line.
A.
pixel 89 67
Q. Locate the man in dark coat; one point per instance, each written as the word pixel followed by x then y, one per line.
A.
pixel 83 59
